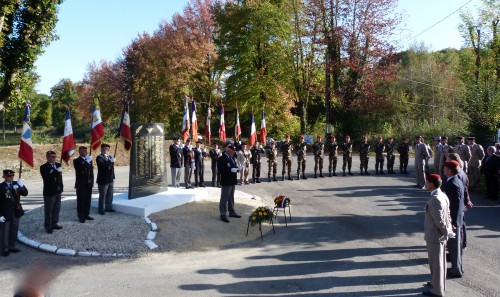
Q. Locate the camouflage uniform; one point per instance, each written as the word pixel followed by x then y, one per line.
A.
pixel 464 152
pixel 332 157
pixel 286 150
pixel 390 147
pixel 364 150
pixel 403 150
pixel 272 162
pixel 301 159
pixel 347 157
pixel 318 148
pixel 379 157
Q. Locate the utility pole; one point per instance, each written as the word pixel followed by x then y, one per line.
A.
pixel 328 94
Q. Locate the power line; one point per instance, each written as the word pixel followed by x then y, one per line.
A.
pixel 440 21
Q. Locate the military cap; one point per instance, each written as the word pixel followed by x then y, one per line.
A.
pixel 199 141
pixel 230 146
pixel 301 136
pixel 433 178
pixel 460 137
pixel 8 172
pixel 437 138
pixel 287 135
pixel 471 138
pixel 444 138
pixel 105 145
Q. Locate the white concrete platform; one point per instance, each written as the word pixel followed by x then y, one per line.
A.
pixel 145 206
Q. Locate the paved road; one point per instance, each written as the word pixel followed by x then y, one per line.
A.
pixel 350 236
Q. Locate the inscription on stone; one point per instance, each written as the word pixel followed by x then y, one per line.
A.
pixel 148 174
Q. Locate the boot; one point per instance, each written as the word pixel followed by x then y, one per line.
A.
pixel 330 174
pixel 274 178
pixel 376 171
pixel 315 174
pixel 382 172
pixel 304 175
pixel 269 178
pixel 283 177
pixel 366 172
pixel 321 174
pixel 298 175
pixel 343 174
pixel 361 171
pixel 257 180
pixel 289 177
pixel 334 174
pixel 350 173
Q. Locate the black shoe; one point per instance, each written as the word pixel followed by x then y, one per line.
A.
pixel 343 174
pixel 89 218
pixel 366 173
pixel 81 220
pixel 101 212
pixel 202 186
pixel 235 215
pixel 14 250
pixel 362 173
pixel 304 176
pixel 289 178
pixel 334 174
pixel 428 284
pixel 315 175
pixel 5 254
pixel 110 210
pixel 225 220
pixel 428 293
pixel 450 274
pixel 350 173
pixel 49 231
pixel 321 175
pixel 257 181
pixel 381 172
pixel 330 174
pixel 57 227
pixel 275 179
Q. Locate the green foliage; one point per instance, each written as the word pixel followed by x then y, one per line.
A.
pixel 63 96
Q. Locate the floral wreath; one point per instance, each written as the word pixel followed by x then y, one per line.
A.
pixel 259 215
pixel 282 201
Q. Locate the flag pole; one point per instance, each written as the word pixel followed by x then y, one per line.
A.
pixel 20 168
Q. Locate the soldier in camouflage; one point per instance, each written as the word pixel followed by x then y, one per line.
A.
pixel 379 156
pixel 364 151
pixel 332 147
pixel 318 148
pixel 390 147
pixel 463 150
pixel 403 150
pixel 286 151
pixel 347 155
pixel 301 157
pixel 272 161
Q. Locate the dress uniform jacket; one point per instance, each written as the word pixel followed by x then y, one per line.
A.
pixel 52 179
pixel 105 169
pixel 84 175
pixel 175 156
pixel 9 199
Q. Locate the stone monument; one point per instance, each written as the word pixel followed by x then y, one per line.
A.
pixel 148 174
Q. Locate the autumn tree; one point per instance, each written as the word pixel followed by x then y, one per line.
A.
pixel 64 96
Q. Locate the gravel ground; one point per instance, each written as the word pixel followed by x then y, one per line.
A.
pixel 111 233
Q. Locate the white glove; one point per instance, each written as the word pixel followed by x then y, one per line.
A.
pixel 240 167
pixel 234 170
pixel 59 169
pixel 2 219
pixel 112 160
pixel 88 159
pixel 20 182
pixel 204 150
pixel 181 145
pixel 451 234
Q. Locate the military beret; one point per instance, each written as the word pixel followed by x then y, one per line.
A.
pixel 8 172
pixel 199 141
pixel 418 137
pixel 301 136
pixel 347 136
pixel 460 137
pixel 332 136
pixel 451 164
pixel 105 145
pixel 433 177
pixel 287 135
pixel 471 138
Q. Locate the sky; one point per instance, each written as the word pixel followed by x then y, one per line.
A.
pixel 98 30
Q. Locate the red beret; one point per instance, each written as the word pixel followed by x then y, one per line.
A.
pixel 301 136
pixel 433 178
pixel 451 164
pixel 288 135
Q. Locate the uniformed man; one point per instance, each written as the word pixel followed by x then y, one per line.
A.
pixel 272 161
pixel 199 166
pixel 364 151
pixel 214 155
pixel 421 153
pixel 51 172
pixel 84 182
pixel 301 157
pixel 477 155
pixel 105 179
pixel 188 159
pixel 286 150
pixel 379 156
pixel 175 151
pixel 318 148
pixel 437 153
pixel 255 160
pixel 463 151
pixel 404 149
pixel 243 161
pixel 332 156
pixel 429 149
pixel 444 147
pixel 390 148
pixel 347 155
pixel 10 211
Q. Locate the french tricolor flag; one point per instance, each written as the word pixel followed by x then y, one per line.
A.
pixel 68 146
pixel 253 132
pixel 26 147
pixel 185 120
pixel 194 121
pixel 222 127
pixel 263 131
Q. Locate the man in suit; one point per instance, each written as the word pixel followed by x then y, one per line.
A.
pixel 421 154
pixel 437 153
pixel 491 169
pixel 105 179
pixel 229 178
pixel 199 171
pixel 444 148
pixel 477 155
pixel 188 160
pixel 437 229
pixel 10 203
pixel 51 172
pixel 175 151
pixel 454 189
pixel 214 156
pixel 84 182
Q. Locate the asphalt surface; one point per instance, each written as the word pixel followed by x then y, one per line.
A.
pixel 349 236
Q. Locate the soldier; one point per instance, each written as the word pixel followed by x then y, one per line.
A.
pixel 463 151
pixel 347 155
pixel 437 153
pixel 318 148
pixel 214 155
pixel 332 156
pixel 301 157
pixel 188 159
pixel 444 147
pixel 243 158
pixel 10 211
pixel 364 151
pixel 404 149
pixel 390 147
pixel 477 155
pixel 199 166
pixel 84 182
pixel 421 153
pixel 105 179
pixel 175 151
pixel 379 156
pixel 255 151
pixel 429 149
pixel 286 150
pixel 272 161
pixel 51 172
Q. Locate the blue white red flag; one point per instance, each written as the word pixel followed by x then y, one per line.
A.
pixel 253 132
pixel 237 127
pixel 222 126
pixel 194 121
pixel 185 120
pixel 125 130
pixel 97 128
pixel 68 146
pixel 26 147
pixel 263 131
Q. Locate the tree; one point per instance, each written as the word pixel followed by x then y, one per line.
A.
pixel 63 96
pixel 29 26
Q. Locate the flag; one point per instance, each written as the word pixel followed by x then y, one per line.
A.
pixel 68 146
pixel 194 121
pixel 26 147
pixel 237 127
pixel 207 127
pixel 97 129
pixel 185 120
pixel 263 131
pixel 222 127
pixel 125 132
pixel 253 132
